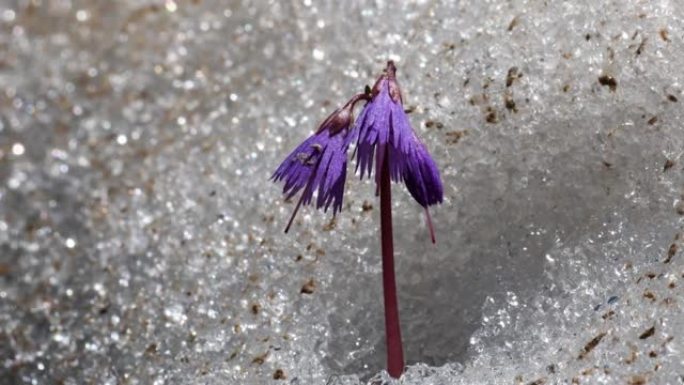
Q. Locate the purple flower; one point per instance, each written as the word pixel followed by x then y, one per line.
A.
pixel 385 135
pixel 319 164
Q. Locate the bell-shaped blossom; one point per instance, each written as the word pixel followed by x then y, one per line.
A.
pixel 385 135
pixel 319 164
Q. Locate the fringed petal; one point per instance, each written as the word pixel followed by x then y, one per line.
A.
pixel 421 176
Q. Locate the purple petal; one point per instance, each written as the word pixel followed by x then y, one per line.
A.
pixel 364 158
pixel 422 176
pixel 397 163
pixel 296 169
pixel 318 165
pixel 373 126
pixel 381 114
pixel 384 126
pixel 402 133
pixel 363 122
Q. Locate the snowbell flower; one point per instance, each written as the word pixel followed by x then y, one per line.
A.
pixel 384 137
pixel 385 132
pixel 319 164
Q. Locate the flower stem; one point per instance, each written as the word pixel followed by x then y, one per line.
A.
pixel 395 353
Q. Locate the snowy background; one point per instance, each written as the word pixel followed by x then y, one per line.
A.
pixel 142 243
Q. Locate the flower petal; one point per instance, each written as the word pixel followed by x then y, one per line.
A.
pixel 374 129
pixel 402 133
pixel 382 107
pixel 319 166
pixel 422 176
pixel 385 135
pixel 297 168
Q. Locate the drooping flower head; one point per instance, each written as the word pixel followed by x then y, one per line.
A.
pixel 319 164
pixel 385 135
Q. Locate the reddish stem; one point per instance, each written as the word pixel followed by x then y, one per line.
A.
pixel 395 353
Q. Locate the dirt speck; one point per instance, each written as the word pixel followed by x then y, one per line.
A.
pixel 434 124
pixel 330 225
pixel 608 81
pixel 671 252
pixel 513 23
pixel 591 345
pixel 608 315
pixel 151 349
pixel 279 374
pixel 308 287
pixel 641 47
pixel 512 76
pixel 680 208
pixel 260 359
pixel 453 137
pixel 510 103
pixel 664 34
pixel 648 333
pixel 649 295
pixel 490 115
